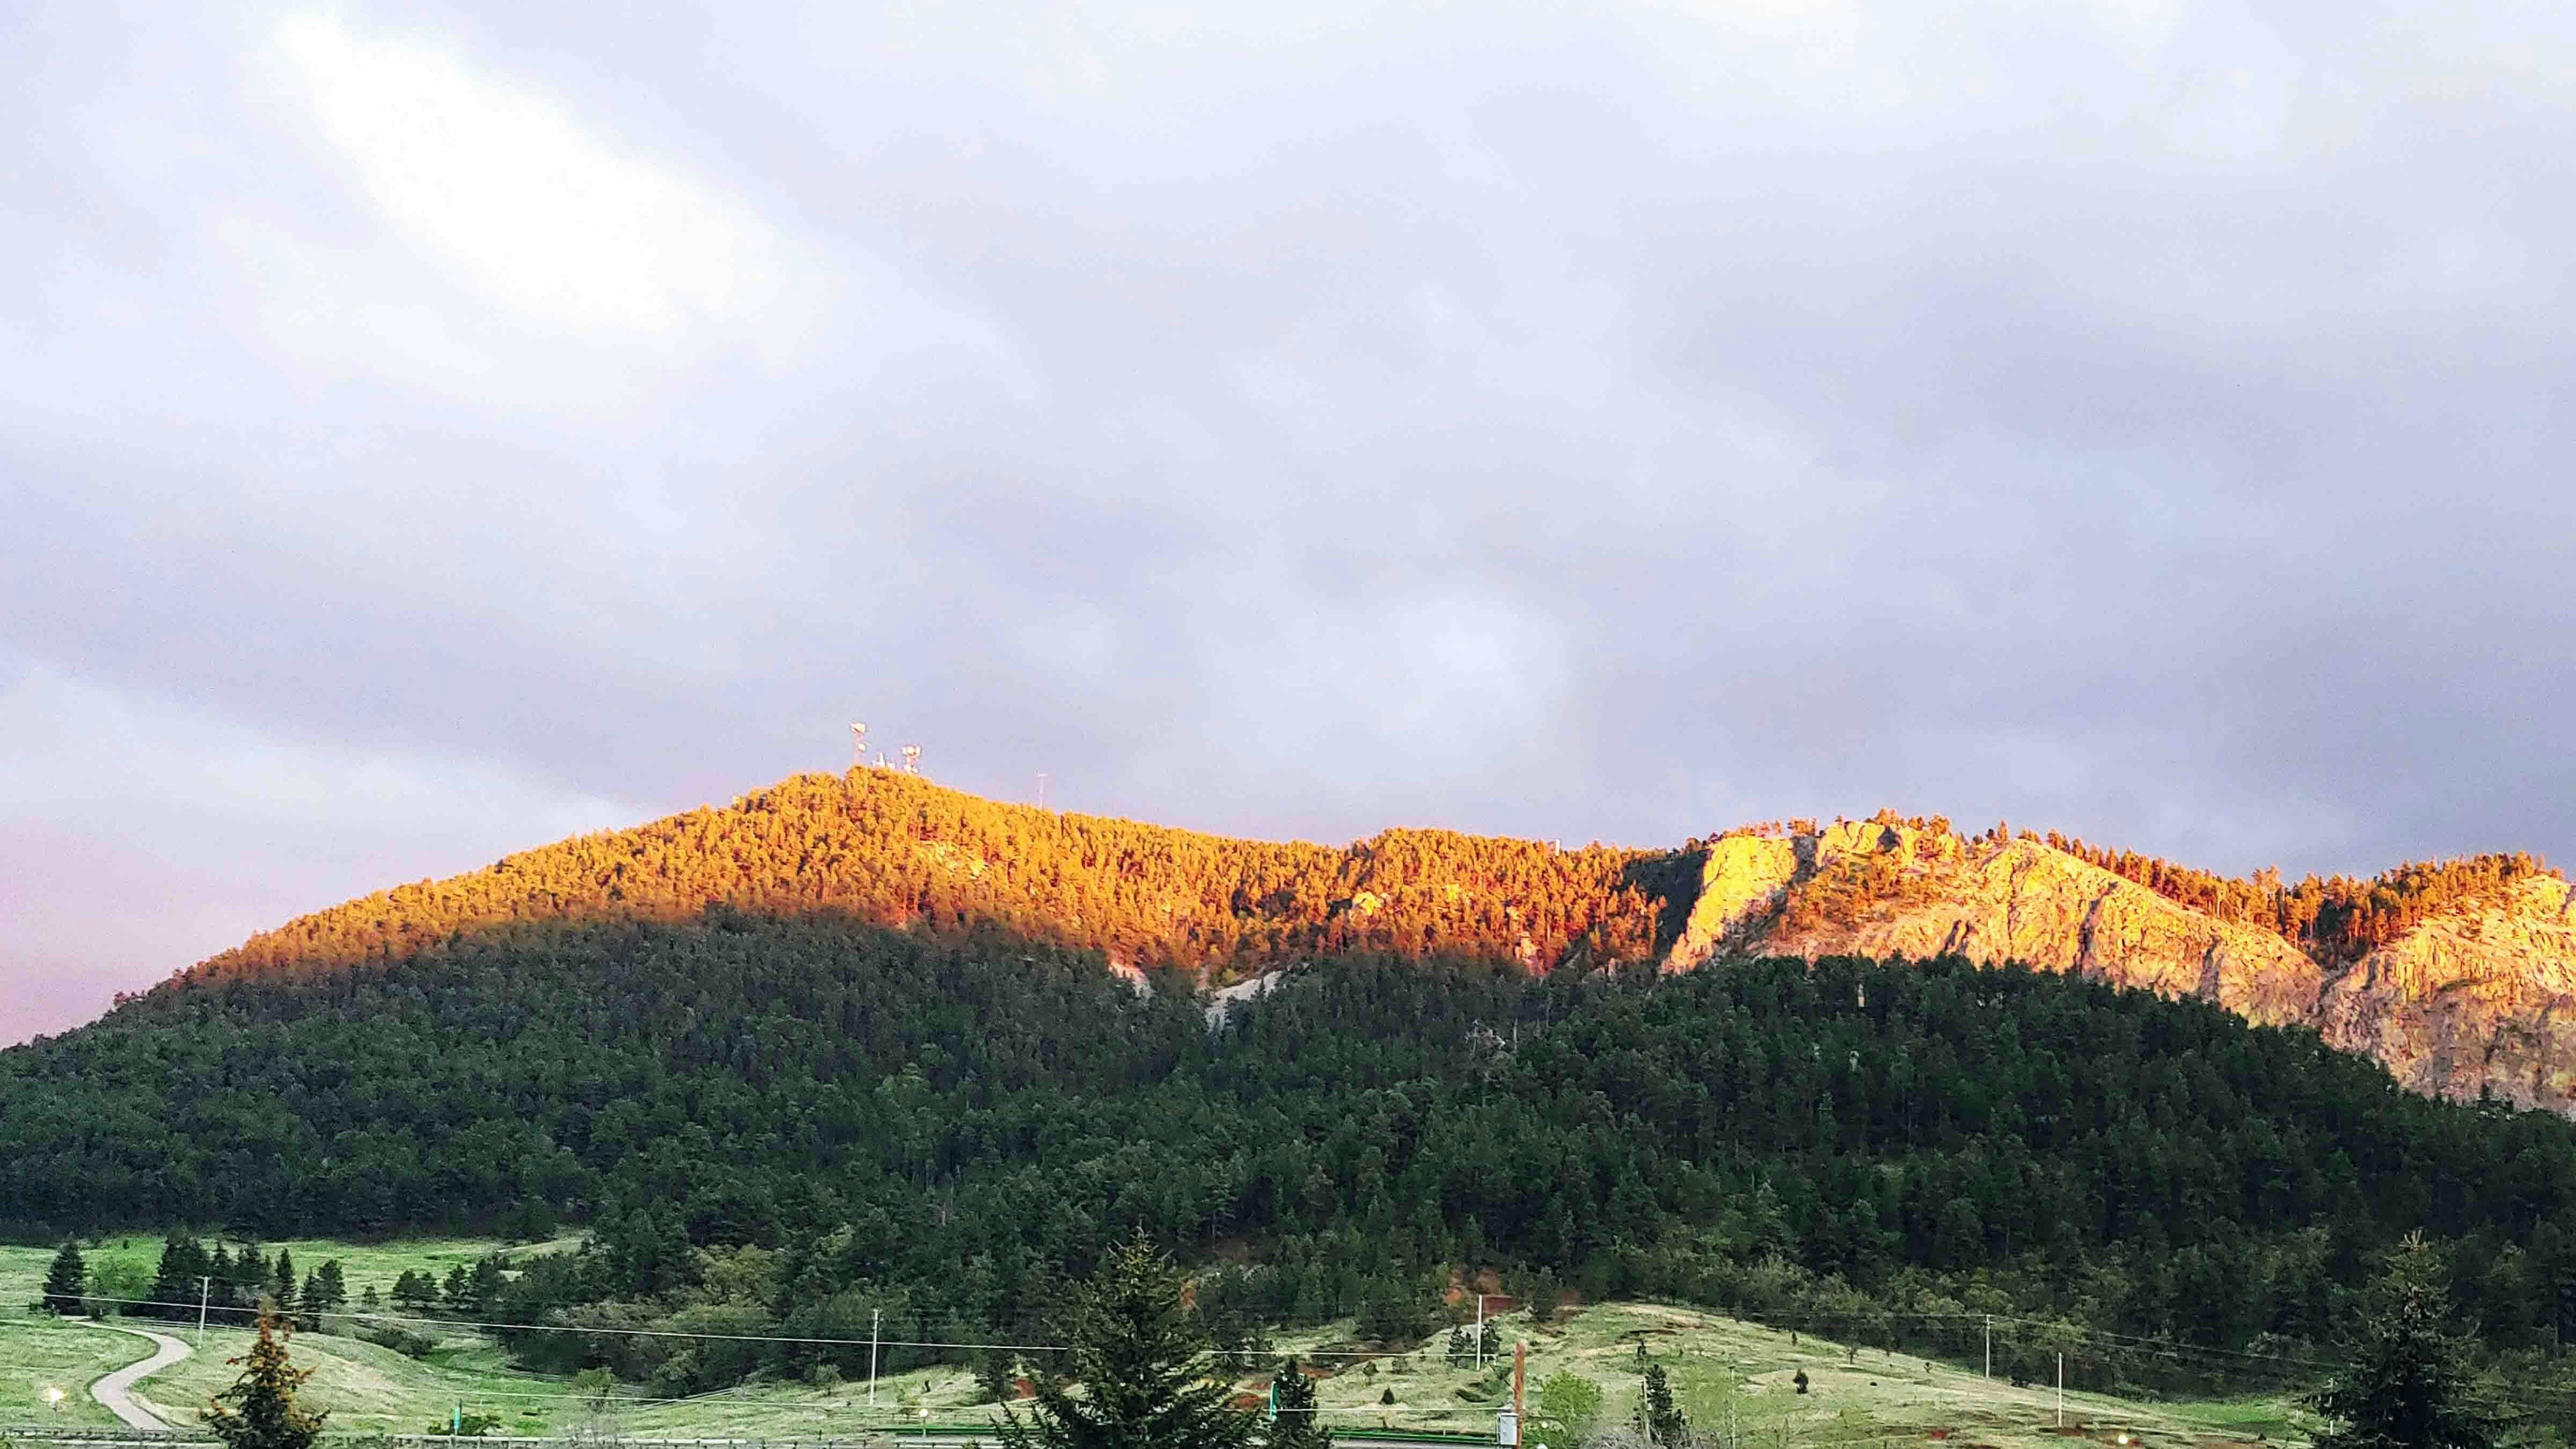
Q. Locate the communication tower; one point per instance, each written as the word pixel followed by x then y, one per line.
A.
pixel 912 759
pixel 858 745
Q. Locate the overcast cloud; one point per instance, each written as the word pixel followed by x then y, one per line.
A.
pixel 426 432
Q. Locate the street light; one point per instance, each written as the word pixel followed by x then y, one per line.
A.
pixel 53 1396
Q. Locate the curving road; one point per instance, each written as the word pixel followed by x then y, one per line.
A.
pixel 114 1391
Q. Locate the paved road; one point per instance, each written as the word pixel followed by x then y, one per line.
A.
pixel 113 1391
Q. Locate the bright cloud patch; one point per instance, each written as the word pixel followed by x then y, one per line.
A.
pixel 512 232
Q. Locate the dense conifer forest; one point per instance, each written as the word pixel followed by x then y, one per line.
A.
pixel 858 1046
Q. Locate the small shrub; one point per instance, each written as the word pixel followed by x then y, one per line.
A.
pixel 401 1340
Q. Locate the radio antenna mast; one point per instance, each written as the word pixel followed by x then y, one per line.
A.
pixel 912 759
pixel 858 745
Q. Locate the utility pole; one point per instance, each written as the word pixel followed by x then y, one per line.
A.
pixel 875 1315
pixel 1990 1345
pixel 205 1286
pixel 1480 1333
pixel 2061 1388
pixel 1041 789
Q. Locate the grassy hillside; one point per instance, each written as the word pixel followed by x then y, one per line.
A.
pixel 1720 1367
pixel 38 1355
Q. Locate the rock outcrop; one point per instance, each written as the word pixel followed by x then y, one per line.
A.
pixel 2481 998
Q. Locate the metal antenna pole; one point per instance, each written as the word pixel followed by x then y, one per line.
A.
pixel 874 1316
pixel 204 1287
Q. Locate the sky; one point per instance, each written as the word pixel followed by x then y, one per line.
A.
pixel 429 431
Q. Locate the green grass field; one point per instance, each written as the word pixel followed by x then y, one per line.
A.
pixel 371 1388
pixel 39 1354
pixel 1722 1369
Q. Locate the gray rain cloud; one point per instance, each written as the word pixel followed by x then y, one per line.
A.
pixel 425 432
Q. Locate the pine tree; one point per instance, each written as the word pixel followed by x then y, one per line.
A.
pixel 1664 1422
pixel 335 1288
pixel 1133 1350
pixel 313 1298
pixel 174 1282
pixel 2410 1384
pixel 283 1291
pixel 1295 1424
pixel 65 1281
pixel 259 1411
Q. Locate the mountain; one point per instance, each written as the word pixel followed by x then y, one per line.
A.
pixel 861 1045
pixel 2458 977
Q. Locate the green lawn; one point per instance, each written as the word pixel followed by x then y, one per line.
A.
pixel 39 1353
pixel 366 1387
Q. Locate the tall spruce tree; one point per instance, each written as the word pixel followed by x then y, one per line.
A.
pixel 282 1292
pixel 2410 1386
pixel 259 1410
pixel 1134 1350
pixel 65 1281
pixel 1664 1421
pixel 1292 1401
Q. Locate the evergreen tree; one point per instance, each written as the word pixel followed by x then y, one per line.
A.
pixel 460 1290
pixel 282 1289
pixel 250 1281
pixel 993 1374
pixel 2410 1386
pixel 1461 1349
pixel 175 1281
pixel 1295 1424
pixel 1664 1422
pixel 335 1288
pixel 313 1299
pixel 1132 1348
pixel 66 1280
pixel 259 1410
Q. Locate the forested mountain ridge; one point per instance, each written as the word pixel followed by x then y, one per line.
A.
pixel 893 849
pixel 2458 976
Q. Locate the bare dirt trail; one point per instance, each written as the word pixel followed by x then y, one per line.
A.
pixel 114 1392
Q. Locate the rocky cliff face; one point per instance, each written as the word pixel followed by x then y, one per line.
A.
pixel 2480 998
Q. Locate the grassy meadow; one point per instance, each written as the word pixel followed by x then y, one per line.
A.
pixel 39 1353
pixel 1722 1371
